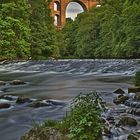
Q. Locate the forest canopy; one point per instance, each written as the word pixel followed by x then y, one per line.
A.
pixel 111 31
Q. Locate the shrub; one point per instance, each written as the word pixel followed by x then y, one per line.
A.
pixel 84 118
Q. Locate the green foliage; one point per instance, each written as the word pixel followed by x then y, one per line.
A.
pixel 85 118
pixel 27 30
pixel 42 31
pixel 109 31
pixel 14 30
pixel 137 78
pixel 68 42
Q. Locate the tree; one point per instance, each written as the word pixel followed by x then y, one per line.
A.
pixel 43 38
pixel 15 31
pixel 109 31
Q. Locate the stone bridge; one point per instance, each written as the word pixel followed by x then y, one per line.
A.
pixel 61 5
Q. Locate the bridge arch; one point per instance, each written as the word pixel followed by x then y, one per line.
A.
pixel 58 8
pixel 82 4
pixel 69 11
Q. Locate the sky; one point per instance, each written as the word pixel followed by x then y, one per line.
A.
pixel 73 9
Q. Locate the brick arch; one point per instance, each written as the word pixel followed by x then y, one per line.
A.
pixel 61 12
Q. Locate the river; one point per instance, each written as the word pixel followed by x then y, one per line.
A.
pixel 57 81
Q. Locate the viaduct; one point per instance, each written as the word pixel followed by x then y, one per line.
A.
pixel 61 5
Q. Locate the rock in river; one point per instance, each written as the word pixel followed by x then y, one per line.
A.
pixel 21 100
pixel 134 111
pixel 119 91
pixel 37 104
pixel 124 121
pixel 133 89
pixel 133 136
pixel 8 97
pixel 137 96
pixel 2 83
pixel 4 105
pixel 120 99
pixel 17 82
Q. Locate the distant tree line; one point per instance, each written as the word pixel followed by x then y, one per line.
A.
pixel 110 31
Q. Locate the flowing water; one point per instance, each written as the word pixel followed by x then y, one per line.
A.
pixel 59 82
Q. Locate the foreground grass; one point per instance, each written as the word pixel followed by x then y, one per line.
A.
pixel 82 122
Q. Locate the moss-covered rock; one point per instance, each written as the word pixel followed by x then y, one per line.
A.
pixel 17 82
pixel 133 89
pixel 127 121
pixel 37 104
pixel 107 130
pixel 21 100
pixel 133 136
pixel 2 83
pixel 134 111
pixel 137 96
pixel 120 99
pixel 44 134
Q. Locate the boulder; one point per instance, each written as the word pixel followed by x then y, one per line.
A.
pixel 4 105
pixel 138 131
pixel 124 121
pixel 2 83
pixel 107 130
pixel 37 104
pixel 120 99
pixel 137 96
pixel 137 112
pixel 119 91
pixel 44 134
pixel 120 95
pixel 17 82
pixel 134 111
pixel 21 100
pixel 133 89
pixel 7 97
pixel 132 137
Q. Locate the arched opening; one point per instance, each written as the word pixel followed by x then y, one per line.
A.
pixel 74 8
pixel 56 6
pixel 57 20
